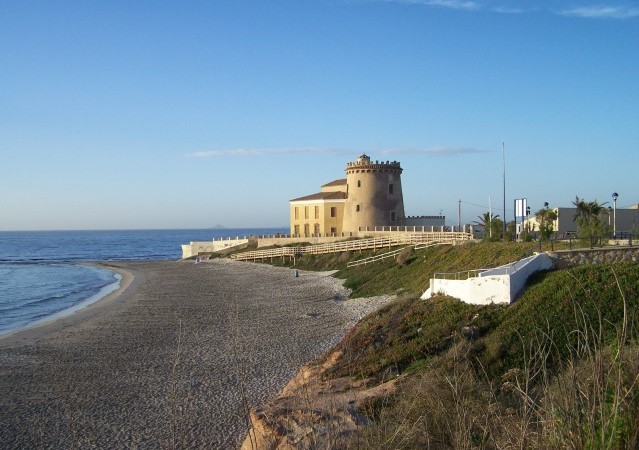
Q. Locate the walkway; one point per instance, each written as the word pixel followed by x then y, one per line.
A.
pixel 401 239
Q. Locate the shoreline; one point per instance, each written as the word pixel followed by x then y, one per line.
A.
pixel 174 358
pixel 73 315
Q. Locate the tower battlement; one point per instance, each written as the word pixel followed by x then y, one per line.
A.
pixel 364 164
pixel 374 194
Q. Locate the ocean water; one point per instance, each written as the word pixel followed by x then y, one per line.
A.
pixel 43 275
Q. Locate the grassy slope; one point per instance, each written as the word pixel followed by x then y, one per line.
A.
pixel 409 331
pixel 565 316
pixel 387 276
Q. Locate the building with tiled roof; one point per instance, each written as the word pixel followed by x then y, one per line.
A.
pixel 319 214
pixel 370 196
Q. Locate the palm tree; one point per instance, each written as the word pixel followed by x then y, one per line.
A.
pixel 588 217
pixel 583 212
pixel 486 221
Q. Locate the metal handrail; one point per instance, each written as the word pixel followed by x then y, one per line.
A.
pixel 472 273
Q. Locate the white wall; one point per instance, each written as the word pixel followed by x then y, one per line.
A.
pixel 195 248
pixel 477 291
pixel 498 285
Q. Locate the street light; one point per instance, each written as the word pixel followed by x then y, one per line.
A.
pixel 614 214
pixel 609 215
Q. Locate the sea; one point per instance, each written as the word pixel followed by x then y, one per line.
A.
pixel 44 275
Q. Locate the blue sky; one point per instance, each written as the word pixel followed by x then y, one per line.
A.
pixel 170 114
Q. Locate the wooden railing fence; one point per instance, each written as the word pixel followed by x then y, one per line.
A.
pixel 420 240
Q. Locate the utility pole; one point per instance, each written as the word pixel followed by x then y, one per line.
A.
pixel 459 215
pixel 490 218
pixel 503 155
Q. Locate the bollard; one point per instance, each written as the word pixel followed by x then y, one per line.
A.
pixel 296 273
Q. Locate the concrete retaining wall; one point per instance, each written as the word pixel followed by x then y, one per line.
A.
pixel 196 248
pixel 503 284
pixel 596 255
pixel 499 285
pixel 477 291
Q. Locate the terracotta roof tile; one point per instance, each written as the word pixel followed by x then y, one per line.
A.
pixel 322 196
pixel 340 182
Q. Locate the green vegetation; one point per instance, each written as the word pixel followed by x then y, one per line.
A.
pixel 413 274
pixel 546 219
pixel 557 369
pixel 590 218
pixel 407 333
pixel 492 227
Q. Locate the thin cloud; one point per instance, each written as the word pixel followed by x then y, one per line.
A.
pixel 467 5
pixel 248 152
pixel 588 9
pixel 434 151
pixel 603 12
pixel 509 10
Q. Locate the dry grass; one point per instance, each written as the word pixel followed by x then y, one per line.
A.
pixel 580 392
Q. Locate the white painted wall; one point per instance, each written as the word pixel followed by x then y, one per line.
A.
pixel 519 277
pixel 498 285
pixel 194 248
pixel 477 291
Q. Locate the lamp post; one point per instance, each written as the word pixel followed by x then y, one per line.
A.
pixel 609 215
pixel 614 213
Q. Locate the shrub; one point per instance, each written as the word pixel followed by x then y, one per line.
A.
pixel 406 256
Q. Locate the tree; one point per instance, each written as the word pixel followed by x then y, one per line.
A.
pixel 487 224
pixel 589 218
pixel 546 221
pixel 511 231
pixel 497 227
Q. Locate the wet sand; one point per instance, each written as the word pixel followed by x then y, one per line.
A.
pixel 173 359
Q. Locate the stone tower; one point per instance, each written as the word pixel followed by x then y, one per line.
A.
pixel 374 194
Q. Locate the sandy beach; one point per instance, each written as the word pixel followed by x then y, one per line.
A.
pixel 173 359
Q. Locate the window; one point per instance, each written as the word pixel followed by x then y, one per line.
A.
pixel 359 183
pixel 333 230
pixel 357 208
pixel 316 229
pixel 306 212
pixel 297 213
pixel 307 230
pixel 392 214
pixel 333 211
pixel 297 230
pixel 317 212
pixel 390 189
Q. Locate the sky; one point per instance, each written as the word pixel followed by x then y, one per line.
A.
pixel 191 114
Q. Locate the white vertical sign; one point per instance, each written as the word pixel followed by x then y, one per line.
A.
pixel 520 207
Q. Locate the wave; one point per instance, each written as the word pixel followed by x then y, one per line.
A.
pixel 35 289
pixel 52 299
